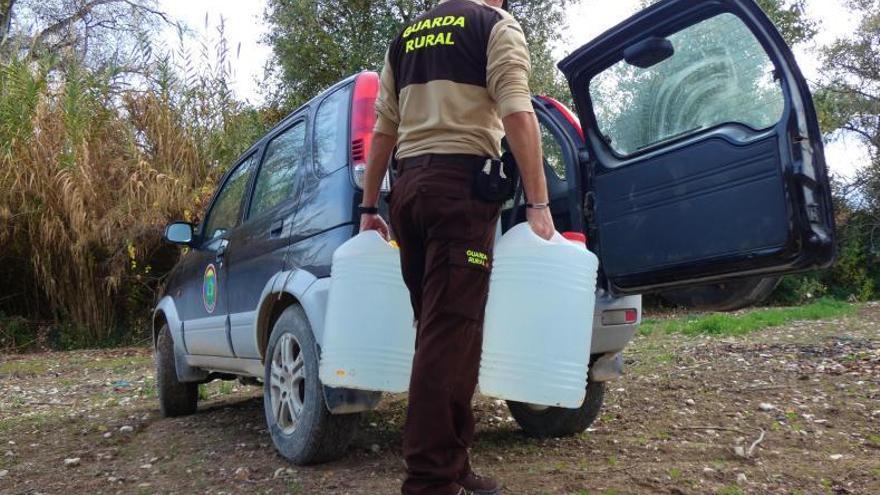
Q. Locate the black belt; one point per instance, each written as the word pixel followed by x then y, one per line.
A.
pixel 470 162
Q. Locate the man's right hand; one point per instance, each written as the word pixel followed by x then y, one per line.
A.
pixel 541 222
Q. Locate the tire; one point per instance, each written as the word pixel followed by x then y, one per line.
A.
pixel 175 398
pixel 552 422
pixel 302 429
pixel 727 296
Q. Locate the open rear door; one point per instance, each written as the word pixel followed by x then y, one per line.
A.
pixel 706 160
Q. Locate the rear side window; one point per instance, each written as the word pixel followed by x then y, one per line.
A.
pixel 285 154
pixel 225 213
pixel 331 132
pixel 719 74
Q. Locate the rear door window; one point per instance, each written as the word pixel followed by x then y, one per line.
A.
pixel 285 155
pixel 226 211
pixel 331 132
pixel 719 74
pixel 552 148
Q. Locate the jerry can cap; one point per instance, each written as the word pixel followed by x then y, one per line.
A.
pixel 575 237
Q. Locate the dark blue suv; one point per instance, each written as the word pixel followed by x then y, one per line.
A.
pixel 700 161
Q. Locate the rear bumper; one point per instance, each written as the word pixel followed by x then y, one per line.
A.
pixel 613 338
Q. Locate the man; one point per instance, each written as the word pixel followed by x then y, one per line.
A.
pixel 455 82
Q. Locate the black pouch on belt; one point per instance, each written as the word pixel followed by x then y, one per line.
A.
pixel 496 181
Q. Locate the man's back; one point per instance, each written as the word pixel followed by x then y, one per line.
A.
pixel 449 78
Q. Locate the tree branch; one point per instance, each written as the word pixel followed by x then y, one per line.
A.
pixel 82 14
pixel 6 7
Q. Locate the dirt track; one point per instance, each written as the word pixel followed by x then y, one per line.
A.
pixel 682 421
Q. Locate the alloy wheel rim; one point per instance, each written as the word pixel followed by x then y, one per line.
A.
pixel 287 383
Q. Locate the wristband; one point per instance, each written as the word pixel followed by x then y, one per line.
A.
pixel 368 210
pixel 538 206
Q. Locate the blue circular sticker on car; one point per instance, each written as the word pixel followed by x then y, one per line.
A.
pixel 209 288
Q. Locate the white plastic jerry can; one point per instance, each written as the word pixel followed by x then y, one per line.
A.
pixel 368 340
pixel 539 320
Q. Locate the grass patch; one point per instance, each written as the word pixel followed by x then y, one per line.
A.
pixel 662 435
pixel 25 421
pixel 118 364
pixel 149 389
pixel 724 324
pixel 24 367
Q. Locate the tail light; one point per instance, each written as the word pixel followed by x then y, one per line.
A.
pixel 363 119
pixel 627 316
pixel 568 114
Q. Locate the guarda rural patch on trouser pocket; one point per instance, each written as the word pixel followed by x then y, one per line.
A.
pixel 444 37
pixel 478 258
pixel 468 285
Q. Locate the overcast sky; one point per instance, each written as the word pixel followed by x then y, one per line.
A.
pixel 588 18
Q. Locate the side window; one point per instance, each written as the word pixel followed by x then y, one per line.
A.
pixel 285 154
pixel 719 74
pixel 225 213
pixel 331 132
pixel 552 152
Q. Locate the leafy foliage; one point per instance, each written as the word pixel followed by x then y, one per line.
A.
pixel 97 33
pixel 791 19
pixel 848 101
pixel 850 96
pixel 789 16
pixel 315 44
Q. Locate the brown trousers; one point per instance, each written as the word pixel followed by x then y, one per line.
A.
pixel 446 236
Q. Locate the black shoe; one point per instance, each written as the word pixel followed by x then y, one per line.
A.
pixel 473 484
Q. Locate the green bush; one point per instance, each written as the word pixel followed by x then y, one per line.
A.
pixel 799 289
pixel 16 333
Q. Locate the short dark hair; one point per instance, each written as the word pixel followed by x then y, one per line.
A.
pixel 505 4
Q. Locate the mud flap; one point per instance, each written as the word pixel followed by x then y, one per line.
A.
pixel 348 401
pixel 185 372
pixel 608 367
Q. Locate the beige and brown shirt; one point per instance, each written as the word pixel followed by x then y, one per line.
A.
pixel 450 77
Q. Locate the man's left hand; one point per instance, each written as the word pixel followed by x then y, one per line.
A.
pixel 374 222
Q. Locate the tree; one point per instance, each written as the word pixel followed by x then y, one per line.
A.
pixel 849 102
pixel 789 16
pixel 316 44
pixel 99 33
pixel 791 19
pixel 5 19
pixel 850 96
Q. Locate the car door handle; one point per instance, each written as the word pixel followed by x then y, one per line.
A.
pixel 221 250
pixel 276 229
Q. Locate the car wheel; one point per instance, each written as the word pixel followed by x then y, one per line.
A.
pixel 545 422
pixel 175 398
pixel 302 429
pixel 727 296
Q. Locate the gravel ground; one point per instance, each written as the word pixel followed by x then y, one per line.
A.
pixel 788 410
